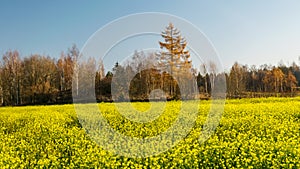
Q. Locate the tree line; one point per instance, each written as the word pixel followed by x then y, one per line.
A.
pixel 39 79
pixel 36 79
pixel 265 80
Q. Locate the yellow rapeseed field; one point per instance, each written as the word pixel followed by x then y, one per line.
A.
pixel 253 133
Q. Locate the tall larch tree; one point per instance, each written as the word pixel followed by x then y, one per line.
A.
pixel 174 58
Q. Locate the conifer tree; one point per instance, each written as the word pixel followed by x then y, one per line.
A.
pixel 174 58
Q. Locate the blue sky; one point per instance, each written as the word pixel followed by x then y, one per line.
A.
pixel 250 32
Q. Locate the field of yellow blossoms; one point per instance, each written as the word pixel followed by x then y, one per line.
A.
pixel 253 133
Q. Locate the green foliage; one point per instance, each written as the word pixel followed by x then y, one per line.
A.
pixel 253 133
